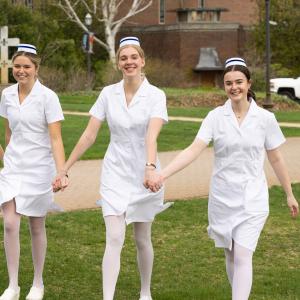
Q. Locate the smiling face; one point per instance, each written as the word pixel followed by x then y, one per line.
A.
pixel 130 62
pixel 236 86
pixel 24 70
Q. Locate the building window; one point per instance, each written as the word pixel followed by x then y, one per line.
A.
pixel 162 11
pixel 201 3
pixel 29 3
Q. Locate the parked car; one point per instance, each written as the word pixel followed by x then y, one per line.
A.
pixel 289 87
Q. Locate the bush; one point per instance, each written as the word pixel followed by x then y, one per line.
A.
pixel 159 73
pixel 106 74
pixel 164 74
pixel 279 71
pixel 60 81
pixel 258 79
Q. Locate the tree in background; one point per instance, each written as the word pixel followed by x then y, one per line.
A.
pixel 43 30
pixel 57 39
pixel 104 12
pixel 285 41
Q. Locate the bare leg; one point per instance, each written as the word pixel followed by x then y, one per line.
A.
pixel 39 247
pixel 242 278
pixel 115 235
pixel 11 241
pixel 145 255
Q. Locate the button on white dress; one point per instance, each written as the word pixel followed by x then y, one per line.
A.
pixel 238 200
pixel 28 161
pixel 121 188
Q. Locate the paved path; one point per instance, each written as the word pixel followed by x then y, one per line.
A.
pixel 188 119
pixel 190 182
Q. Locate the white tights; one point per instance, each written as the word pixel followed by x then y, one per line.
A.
pixel 115 235
pixel 12 244
pixel 239 271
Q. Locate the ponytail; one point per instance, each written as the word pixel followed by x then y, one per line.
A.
pixel 250 95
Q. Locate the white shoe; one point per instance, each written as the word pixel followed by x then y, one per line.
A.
pixel 10 294
pixel 146 298
pixel 35 293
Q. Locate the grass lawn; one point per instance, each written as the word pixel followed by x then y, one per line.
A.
pixel 175 135
pixel 187 266
pixel 83 101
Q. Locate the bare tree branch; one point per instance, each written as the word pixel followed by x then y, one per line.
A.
pixel 105 11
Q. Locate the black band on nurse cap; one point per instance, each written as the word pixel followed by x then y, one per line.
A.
pixel 129 40
pixel 27 48
pixel 235 61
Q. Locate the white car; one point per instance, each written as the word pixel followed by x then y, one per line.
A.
pixel 289 87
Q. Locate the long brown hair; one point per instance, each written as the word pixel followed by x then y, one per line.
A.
pixel 246 72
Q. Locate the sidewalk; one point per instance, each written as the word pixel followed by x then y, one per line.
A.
pixel 187 119
pixel 193 181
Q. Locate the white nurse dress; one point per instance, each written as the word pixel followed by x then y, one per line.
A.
pixel 28 161
pixel 238 199
pixel 123 169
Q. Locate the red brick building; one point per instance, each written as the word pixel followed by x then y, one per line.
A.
pixel 176 30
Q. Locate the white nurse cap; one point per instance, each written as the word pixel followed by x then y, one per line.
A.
pixel 235 61
pixel 129 40
pixel 27 48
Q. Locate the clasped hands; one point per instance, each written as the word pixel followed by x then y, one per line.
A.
pixel 153 180
pixel 60 182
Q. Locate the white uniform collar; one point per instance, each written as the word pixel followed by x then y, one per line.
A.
pixel 36 89
pixel 253 109
pixel 141 92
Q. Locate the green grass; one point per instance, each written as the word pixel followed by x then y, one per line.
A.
pixel 288 116
pixel 83 101
pixel 187 266
pixel 290 132
pixel 194 112
pixel 176 135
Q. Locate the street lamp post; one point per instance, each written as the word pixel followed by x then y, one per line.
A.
pixel 268 104
pixel 88 22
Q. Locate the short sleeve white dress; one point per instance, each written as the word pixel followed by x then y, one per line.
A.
pixel 121 188
pixel 28 161
pixel 238 199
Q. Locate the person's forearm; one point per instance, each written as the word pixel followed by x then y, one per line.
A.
pixel 58 152
pixel 183 159
pixel 151 146
pixel 1 153
pixel 84 143
pixel 7 136
pixel 281 172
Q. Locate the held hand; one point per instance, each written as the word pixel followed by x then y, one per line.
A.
pixel 60 182
pixel 153 180
pixel 293 206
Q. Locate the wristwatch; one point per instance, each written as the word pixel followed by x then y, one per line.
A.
pixel 150 165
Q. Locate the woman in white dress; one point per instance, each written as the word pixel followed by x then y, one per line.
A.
pixel 238 200
pixel 135 111
pixel 34 150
